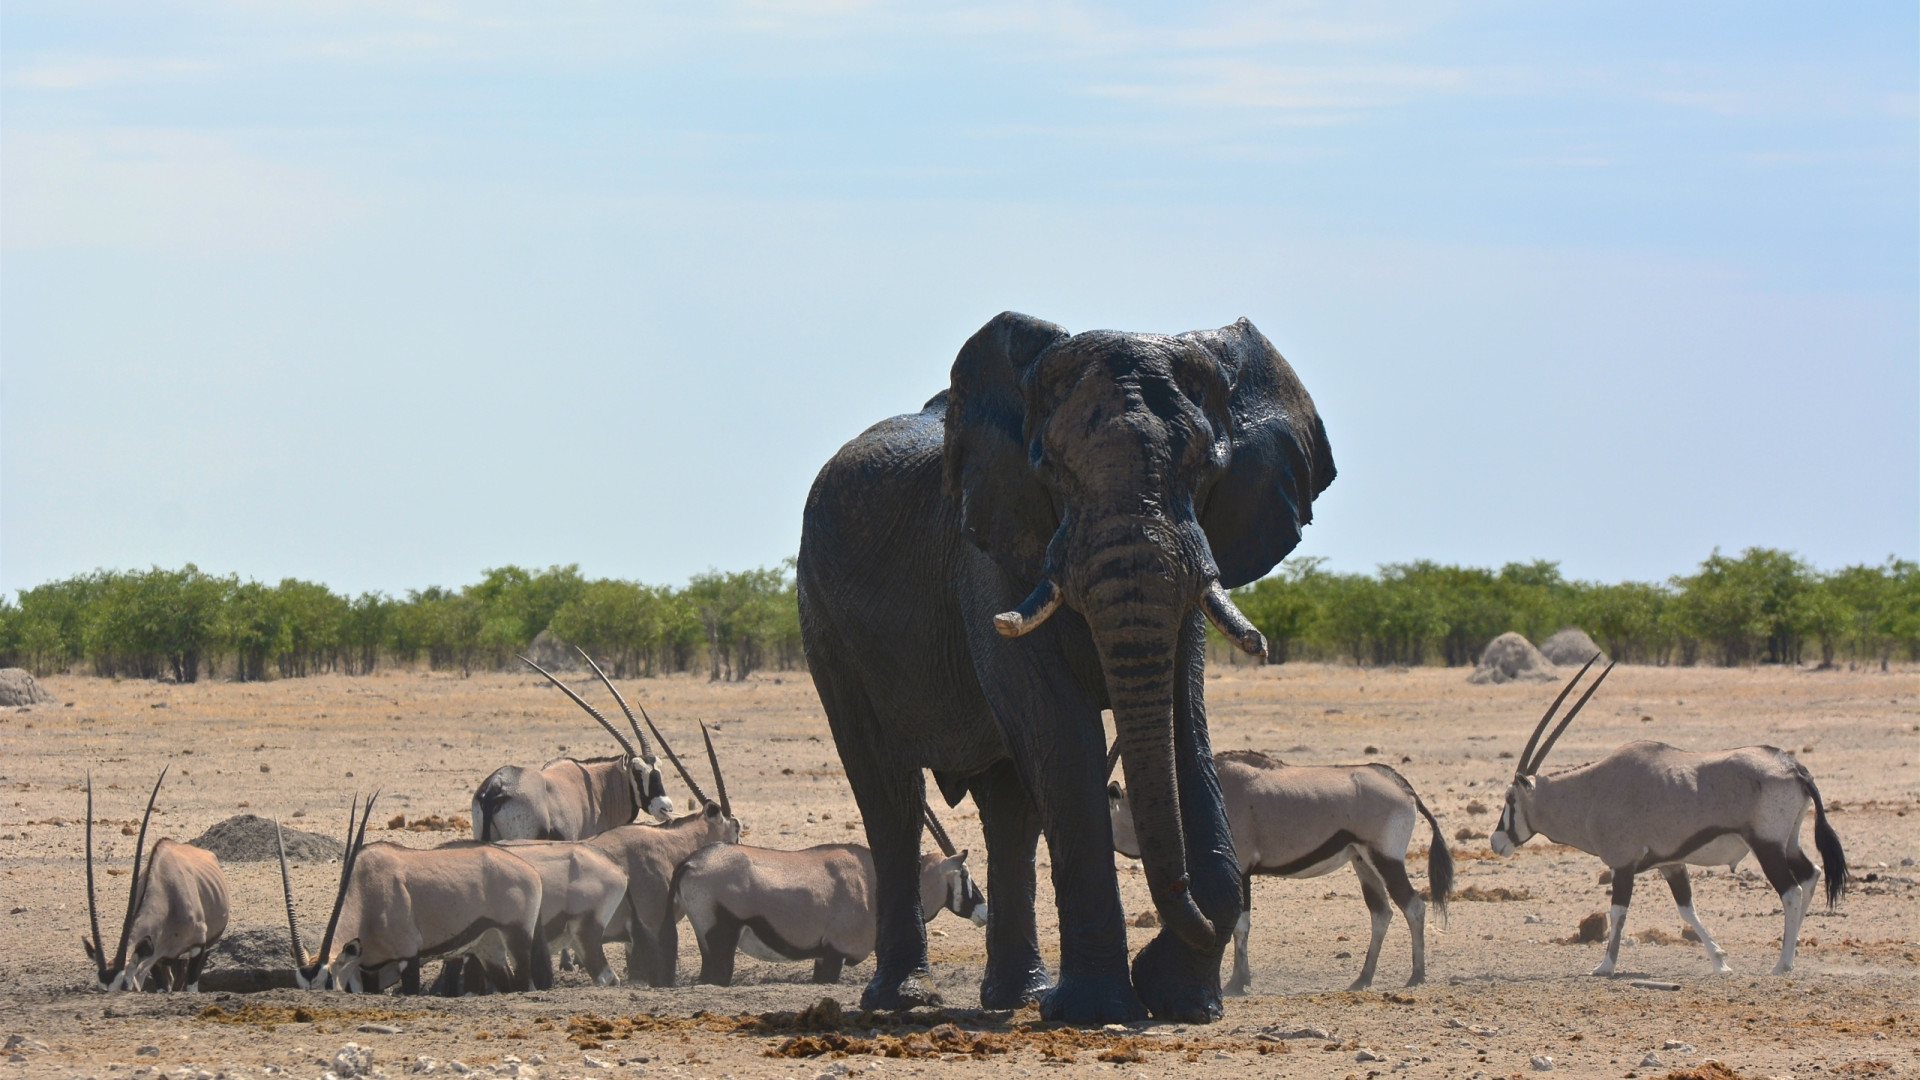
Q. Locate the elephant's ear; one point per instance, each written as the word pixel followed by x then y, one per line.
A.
pixel 1281 460
pixel 1004 509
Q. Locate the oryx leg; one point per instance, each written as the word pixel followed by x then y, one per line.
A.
pixel 1792 875
pixel 410 976
pixel 719 941
pixel 195 965
pixel 1617 917
pixel 448 984
pixel 1412 908
pixel 1374 889
pixel 826 969
pixel 1242 971
pixel 593 952
pixel 1682 887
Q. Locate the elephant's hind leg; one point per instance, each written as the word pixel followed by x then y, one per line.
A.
pixel 1015 972
pixel 891 800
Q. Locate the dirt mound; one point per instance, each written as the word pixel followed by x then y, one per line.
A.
pixel 19 687
pixel 249 838
pixel 552 653
pixel 1570 647
pixel 1509 657
pixel 253 948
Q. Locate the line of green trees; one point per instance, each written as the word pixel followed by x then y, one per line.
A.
pixel 186 624
pixel 1764 606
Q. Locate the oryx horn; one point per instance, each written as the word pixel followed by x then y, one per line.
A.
pixel 713 761
pixel 646 750
pixel 939 831
pixel 591 711
pixel 286 890
pixel 347 860
pixel 133 890
pixel 666 746
pixel 1113 757
pixel 1571 713
pixel 1520 767
pixel 93 905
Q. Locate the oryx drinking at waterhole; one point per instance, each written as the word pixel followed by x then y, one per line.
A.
pixel 1650 806
pixel 1302 821
pixel 175 912
pixel 397 907
pixel 569 798
pixel 815 904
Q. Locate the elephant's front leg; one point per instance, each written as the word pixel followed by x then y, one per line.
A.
pixel 1176 980
pixel 892 802
pixel 1015 972
pixel 1093 986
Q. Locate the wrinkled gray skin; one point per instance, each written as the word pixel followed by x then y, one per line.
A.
pixel 1138 474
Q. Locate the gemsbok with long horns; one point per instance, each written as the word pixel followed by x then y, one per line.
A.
pixel 1650 806
pixel 397 907
pixel 175 912
pixel 581 890
pixel 649 921
pixel 814 904
pixel 1302 821
pixel 570 798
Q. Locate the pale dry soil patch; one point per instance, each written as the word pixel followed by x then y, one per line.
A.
pixel 1503 988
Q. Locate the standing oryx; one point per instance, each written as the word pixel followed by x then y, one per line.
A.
pixel 398 906
pixel 581 890
pixel 1302 821
pixel 815 904
pixel 175 912
pixel 1650 806
pixel 648 921
pixel 569 799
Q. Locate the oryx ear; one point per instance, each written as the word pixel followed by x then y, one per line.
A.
pixel 1524 782
pixel 960 859
pixel 88 945
pixel 712 810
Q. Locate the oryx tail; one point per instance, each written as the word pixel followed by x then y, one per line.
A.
pixel 1833 861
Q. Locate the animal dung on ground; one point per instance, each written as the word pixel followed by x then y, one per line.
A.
pixel 1497 894
pixel 1510 657
pixel 1592 928
pixel 249 838
pixel 1147 919
pixel 19 687
pixel 1571 647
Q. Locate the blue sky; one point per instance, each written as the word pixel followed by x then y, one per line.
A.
pixel 383 294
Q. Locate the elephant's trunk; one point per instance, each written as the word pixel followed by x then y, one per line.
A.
pixel 1135 595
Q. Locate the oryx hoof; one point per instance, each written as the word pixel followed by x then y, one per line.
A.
pixel 1604 969
pixel 1417 980
pixel 1782 968
pixel 1361 983
pixel 1235 988
pixel 898 994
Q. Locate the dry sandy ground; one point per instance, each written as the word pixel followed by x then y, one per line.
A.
pixel 1501 991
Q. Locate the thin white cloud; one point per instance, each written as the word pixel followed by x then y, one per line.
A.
pixel 87 72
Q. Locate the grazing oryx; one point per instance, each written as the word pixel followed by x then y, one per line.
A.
pixel 1650 806
pixel 648 922
pixel 174 914
pixel 1302 821
pixel 568 799
pixel 815 904
pixel 580 893
pixel 399 906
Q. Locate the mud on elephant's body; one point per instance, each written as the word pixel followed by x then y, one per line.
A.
pixel 979 579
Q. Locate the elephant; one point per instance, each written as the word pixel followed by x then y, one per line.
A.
pixel 1120 483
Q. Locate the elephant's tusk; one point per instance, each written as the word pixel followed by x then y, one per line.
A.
pixel 1039 605
pixel 1229 621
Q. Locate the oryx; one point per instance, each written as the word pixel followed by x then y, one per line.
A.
pixel 1302 821
pixel 648 922
pixel 581 890
pixel 569 798
pixel 815 904
pixel 175 912
pixel 398 906
pixel 1650 806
